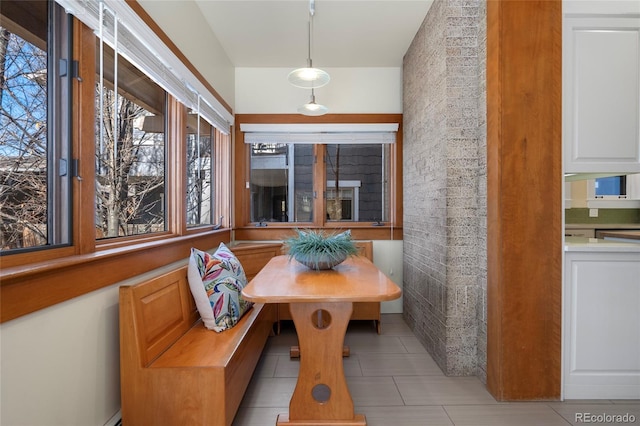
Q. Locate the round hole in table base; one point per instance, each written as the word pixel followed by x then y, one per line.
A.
pixel 321 393
pixel 321 319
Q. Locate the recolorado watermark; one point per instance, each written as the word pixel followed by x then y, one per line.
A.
pixel 604 418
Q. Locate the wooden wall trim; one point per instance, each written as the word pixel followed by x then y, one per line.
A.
pixel 44 284
pixel 273 233
pixel 524 199
pixel 84 139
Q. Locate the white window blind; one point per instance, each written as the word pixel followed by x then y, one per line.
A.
pixel 143 48
pixel 337 133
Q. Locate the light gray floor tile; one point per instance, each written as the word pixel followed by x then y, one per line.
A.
pixel 405 416
pixel 266 366
pixel 584 401
pixel 258 416
pixel 363 326
pixel 514 414
pixel 352 366
pixel 269 392
pixel 281 343
pixel 396 329
pixel 395 382
pixel 374 343
pixel 288 367
pixel 626 401
pixel 392 318
pixel 579 414
pixel 413 345
pixel 398 365
pixel 442 390
pixel 373 391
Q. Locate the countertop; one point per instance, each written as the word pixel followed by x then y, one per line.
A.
pixel 598 245
pixel 602 226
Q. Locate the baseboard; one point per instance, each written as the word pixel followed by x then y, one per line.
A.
pixel 116 420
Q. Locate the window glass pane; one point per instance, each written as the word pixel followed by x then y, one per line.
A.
pixel 33 201
pixel 613 185
pixel 199 171
pixel 281 183
pixel 357 183
pixel 130 150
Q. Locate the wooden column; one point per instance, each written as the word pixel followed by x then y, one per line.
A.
pixel 524 199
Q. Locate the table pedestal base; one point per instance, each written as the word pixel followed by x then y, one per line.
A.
pixel 359 420
pixel 294 352
pixel 321 396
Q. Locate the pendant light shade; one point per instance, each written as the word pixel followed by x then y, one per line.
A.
pixel 309 77
pixel 312 108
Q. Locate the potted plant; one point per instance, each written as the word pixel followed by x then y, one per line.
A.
pixel 318 250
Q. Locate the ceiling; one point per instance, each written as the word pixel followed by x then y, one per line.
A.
pixel 346 33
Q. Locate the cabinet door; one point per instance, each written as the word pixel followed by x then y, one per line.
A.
pixel 601 91
pixel 601 329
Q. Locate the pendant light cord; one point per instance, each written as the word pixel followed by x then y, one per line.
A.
pixel 312 11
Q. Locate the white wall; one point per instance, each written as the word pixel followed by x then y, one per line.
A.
pixel 387 256
pixel 350 91
pixel 183 22
pixel 60 365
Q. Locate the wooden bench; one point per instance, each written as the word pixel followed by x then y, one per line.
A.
pixel 173 370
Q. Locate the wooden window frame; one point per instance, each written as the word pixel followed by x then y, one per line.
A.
pixel 43 277
pixel 248 231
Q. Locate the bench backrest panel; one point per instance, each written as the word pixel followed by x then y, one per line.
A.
pixel 164 311
pixel 159 311
pixel 253 257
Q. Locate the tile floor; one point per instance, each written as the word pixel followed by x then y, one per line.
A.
pixel 394 382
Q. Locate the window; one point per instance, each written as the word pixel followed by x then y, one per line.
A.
pixel 613 192
pixel 612 185
pixel 358 174
pixel 344 206
pixel 281 182
pixel 200 140
pixel 76 180
pixel 34 136
pixel 130 149
pixel 315 173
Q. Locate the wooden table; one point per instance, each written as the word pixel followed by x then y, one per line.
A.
pixel 321 303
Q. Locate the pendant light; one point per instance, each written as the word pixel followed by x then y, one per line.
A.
pixel 309 77
pixel 312 108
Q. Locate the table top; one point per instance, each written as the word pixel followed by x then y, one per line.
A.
pixel 285 280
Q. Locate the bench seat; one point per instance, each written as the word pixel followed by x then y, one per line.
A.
pixel 174 371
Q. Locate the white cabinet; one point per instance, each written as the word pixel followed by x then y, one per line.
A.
pixel 601 325
pixel 601 93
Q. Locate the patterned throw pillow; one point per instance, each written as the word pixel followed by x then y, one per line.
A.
pixel 216 281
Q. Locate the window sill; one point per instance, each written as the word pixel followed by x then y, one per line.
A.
pixel 28 288
pixel 613 204
pixel 279 231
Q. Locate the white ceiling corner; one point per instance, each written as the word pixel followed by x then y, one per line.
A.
pixel 347 33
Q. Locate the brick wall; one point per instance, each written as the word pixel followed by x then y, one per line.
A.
pixel 445 186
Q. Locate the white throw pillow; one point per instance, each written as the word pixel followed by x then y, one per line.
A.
pixel 216 281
